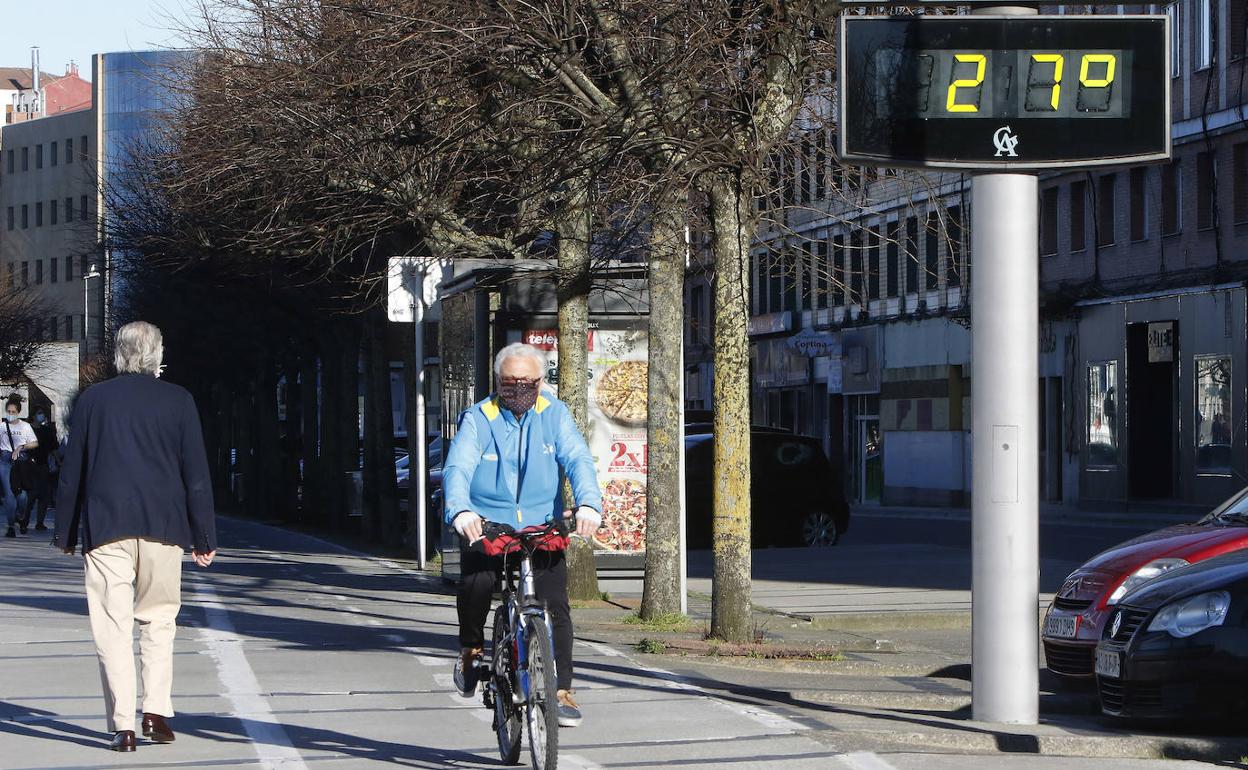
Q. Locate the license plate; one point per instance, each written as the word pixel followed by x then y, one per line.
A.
pixel 1108 663
pixel 1060 626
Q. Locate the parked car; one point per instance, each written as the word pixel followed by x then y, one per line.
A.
pixel 1177 647
pixel 433 453
pixel 796 496
pixel 1089 596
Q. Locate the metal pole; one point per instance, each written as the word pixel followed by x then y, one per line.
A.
pixel 1005 421
pixel 420 469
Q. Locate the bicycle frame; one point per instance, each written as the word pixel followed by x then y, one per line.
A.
pixel 519 608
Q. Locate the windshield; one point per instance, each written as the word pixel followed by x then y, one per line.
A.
pixel 1233 510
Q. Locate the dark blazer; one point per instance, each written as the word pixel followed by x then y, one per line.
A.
pixel 135 467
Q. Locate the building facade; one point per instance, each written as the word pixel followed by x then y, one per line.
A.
pixel 861 316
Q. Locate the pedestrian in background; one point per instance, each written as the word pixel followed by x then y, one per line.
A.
pixel 17 439
pixel 43 456
pixel 135 476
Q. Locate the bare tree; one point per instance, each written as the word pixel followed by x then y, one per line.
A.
pixel 22 313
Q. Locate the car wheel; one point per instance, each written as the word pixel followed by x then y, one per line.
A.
pixel 819 530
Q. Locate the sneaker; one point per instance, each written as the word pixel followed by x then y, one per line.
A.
pixel 467 672
pixel 40 527
pixel 569 711
pixel 22 527
pixel 10 533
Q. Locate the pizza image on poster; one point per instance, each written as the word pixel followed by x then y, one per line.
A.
pixel 618 372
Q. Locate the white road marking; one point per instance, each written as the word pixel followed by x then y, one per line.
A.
pixel 602 649
pixel 864 760
pixel 268 738
pixel 577 762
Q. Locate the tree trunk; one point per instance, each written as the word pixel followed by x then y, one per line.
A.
pixel 381 512
pixel 732 228
pixel 573 296
pixel 309 449
pixel 661 593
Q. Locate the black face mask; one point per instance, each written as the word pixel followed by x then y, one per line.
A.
pixel 519 397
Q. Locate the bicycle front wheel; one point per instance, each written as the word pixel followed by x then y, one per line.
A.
pixel 506 711
pixel 542 704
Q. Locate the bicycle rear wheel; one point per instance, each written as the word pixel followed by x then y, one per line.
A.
pixel 507 723
pixel 542 711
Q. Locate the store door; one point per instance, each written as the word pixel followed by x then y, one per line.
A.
pixel 1152 409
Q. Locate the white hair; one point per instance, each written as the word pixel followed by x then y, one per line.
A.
pixel 521 350
pixel 139 350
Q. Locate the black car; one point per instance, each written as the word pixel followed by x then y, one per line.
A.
pixel 1177 646
pixel 796 496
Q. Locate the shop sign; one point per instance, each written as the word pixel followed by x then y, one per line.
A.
pixel 771 323
pixel 1161 342
pixel 813 344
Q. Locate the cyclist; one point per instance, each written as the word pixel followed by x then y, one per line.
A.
pixel 507 463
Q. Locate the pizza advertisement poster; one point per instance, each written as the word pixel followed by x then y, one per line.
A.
pixel 618 370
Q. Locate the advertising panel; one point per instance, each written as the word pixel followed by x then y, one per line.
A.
pixel 618 371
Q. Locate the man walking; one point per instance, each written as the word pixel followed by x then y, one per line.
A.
pixel 507 464
pixel 135 476
pixel 44 454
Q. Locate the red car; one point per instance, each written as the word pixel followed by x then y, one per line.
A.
pixel 1072 626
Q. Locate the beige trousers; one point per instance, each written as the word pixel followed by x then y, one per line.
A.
pixel 127 581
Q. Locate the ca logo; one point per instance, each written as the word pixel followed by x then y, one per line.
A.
pixel 1005 142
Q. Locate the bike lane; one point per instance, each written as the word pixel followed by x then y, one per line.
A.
pixel 296 653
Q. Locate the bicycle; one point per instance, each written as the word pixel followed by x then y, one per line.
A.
pixel 521 668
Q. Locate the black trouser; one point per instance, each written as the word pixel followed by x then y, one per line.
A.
pixel 550 579
pixel 41 495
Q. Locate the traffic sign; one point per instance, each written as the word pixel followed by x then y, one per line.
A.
pixel 1004 92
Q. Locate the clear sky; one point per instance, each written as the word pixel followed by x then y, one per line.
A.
pixel 73 30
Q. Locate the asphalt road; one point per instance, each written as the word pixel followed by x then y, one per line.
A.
pixel 294 653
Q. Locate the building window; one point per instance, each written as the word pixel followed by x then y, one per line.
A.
pixel 874 267
pixel 38 272
pixel 912 255
pixel 25 159
pixel 25 216
pixel 801 255
pixel 894 259
pixel 1138 182
pixel 697 311
pixel 838 270
pixel 53 211
pixel 9 217
pixel 855 267
pixel 39 214
pixel 821 167
pixel 808 154
pixel 1206 184
pixel 1214 435
pixel 1176 42
pixel 822 271
pixel 953 250
pixel 788 276
pixel 69 209
pixel 775 288
pixel 931 252
pixel 69 268
pixel 1105 208
pixel 1171 198
pixel 52 273
pixel 69 150
pixel 82 207
pixel 1202 37
pixel 8 164
pixel 25 274
pixel 38 156
pixel 1048 221
pixel 1237 24
pixel 1239 181
pixel 1103 414
pixel 1078 216
pixel 52 154
pixel 84 147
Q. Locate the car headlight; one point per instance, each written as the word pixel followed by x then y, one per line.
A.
pixel 1192 615
pixel 1144 574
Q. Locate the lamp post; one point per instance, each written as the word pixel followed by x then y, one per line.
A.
pixel 92 272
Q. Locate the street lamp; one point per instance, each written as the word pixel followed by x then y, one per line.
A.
pixel 92 272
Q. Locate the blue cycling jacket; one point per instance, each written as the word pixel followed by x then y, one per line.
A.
pixel 512 471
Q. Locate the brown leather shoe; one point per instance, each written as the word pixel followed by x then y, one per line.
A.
pixel 155 728
pixel 123 740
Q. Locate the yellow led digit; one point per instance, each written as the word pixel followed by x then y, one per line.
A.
pixel 1058 61
pixel 1108 59
pixel 980 61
